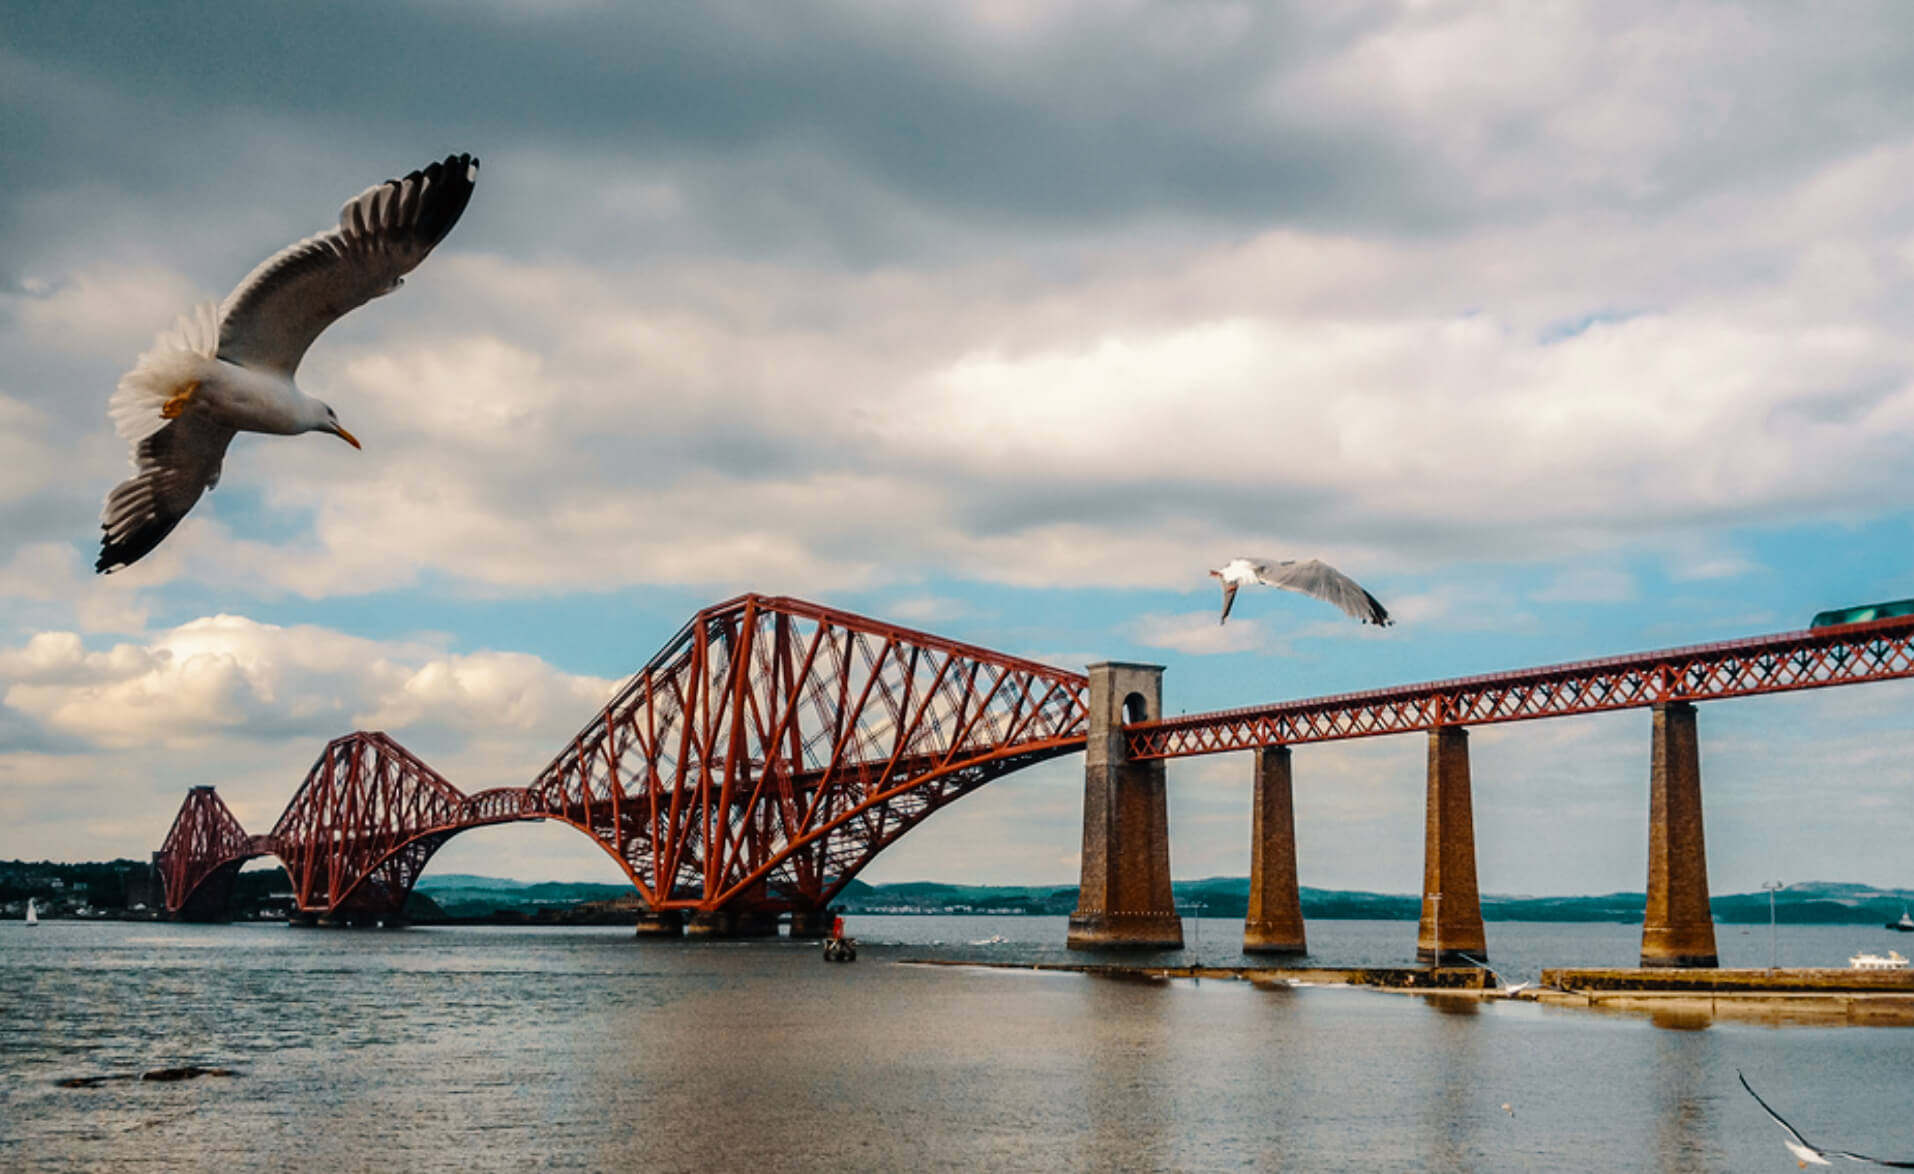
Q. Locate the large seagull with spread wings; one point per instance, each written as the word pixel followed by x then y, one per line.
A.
pixel 228 367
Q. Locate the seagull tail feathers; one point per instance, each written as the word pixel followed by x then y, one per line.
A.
pixel 176 358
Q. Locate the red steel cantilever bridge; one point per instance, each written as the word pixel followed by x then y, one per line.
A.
pixel 774 747
pixel 762 758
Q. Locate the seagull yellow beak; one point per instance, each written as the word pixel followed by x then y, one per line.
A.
pixel 348 437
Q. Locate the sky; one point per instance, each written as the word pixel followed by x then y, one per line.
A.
pixel 1569 330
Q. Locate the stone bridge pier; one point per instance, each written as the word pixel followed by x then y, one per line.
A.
pixel 1677 927
pixel 1275 921
pixel 1451 931
pixel 1125 898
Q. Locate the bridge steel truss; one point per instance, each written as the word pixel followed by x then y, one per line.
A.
pixel 365 821
pixel 774 747
pixel 202 853
pixel 1816 658
pixel 354 838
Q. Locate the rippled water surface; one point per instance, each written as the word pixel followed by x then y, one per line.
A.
pixel 582 1049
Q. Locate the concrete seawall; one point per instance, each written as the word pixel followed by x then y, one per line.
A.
pixel 1825 996
pixel 1447 979
pixel 1686 996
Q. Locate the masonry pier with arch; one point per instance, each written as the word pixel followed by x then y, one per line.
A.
pixel 1124 899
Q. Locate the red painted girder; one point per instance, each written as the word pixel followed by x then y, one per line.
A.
pixel 368 817
pixel 1815 658
pixel 774 742
pixel 204 838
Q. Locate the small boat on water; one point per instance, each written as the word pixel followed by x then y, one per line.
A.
pixel 1905 924
pixel 1867 961
pixel 33 915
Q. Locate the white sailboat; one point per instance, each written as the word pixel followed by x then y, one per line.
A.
pixel 33 915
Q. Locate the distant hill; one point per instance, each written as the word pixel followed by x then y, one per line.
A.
pixel 116 886
pixel 1813 902
pixel 1808 903
pixel 460 895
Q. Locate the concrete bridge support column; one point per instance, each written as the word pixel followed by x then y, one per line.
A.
pixel 1451 905
pixel 1677 927
pixel 811 924
pixel 724 923
pixel 1125 898
pixel 1275 921
pixel 660 923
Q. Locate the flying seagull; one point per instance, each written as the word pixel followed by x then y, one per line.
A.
pixel 1805 1152
pixel 228 367
pixel 1311 577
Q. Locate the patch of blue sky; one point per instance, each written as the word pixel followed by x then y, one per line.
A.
pixel 604 634
pixel 1492 617
pixel 243 509
pixel 1569 328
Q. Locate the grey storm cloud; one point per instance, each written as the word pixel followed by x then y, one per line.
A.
pixel 1118 115
pixel 897 131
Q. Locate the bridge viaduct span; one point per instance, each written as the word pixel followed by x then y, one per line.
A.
pixel 774 747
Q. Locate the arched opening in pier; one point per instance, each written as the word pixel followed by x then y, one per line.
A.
pixel 1135 709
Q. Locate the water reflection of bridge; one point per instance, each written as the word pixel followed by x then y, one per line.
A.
pixel 774 747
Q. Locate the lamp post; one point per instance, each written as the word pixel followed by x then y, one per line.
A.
pixel 1773 887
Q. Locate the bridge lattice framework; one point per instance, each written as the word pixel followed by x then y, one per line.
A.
pixel 761 759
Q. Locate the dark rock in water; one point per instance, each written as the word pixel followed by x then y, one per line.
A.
pixel 183 1072
pixel 186 1072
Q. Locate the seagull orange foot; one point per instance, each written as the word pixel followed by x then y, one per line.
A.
pixel 172 408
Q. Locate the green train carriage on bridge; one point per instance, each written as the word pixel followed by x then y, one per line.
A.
pixel 1862 614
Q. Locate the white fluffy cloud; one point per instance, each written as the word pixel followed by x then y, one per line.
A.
pixel 1197 633
pixel 617 448
pixel 228 676
pixel 100 743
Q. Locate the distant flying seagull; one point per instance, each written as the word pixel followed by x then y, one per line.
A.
pixel 228 367
pixel 1312 577
pixel 1805 1152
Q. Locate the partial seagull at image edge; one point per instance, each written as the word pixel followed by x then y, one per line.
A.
pixel 1310 577
pixel 1805 1152
pixel 228 367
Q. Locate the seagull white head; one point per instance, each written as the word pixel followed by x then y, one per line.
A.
pixel 331 424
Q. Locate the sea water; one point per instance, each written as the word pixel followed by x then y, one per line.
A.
pixel 469 1048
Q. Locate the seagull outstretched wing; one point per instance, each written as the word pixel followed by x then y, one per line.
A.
pixel 1318 578
pixel 1805 1151
pixel 271 317
pixel 175 464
